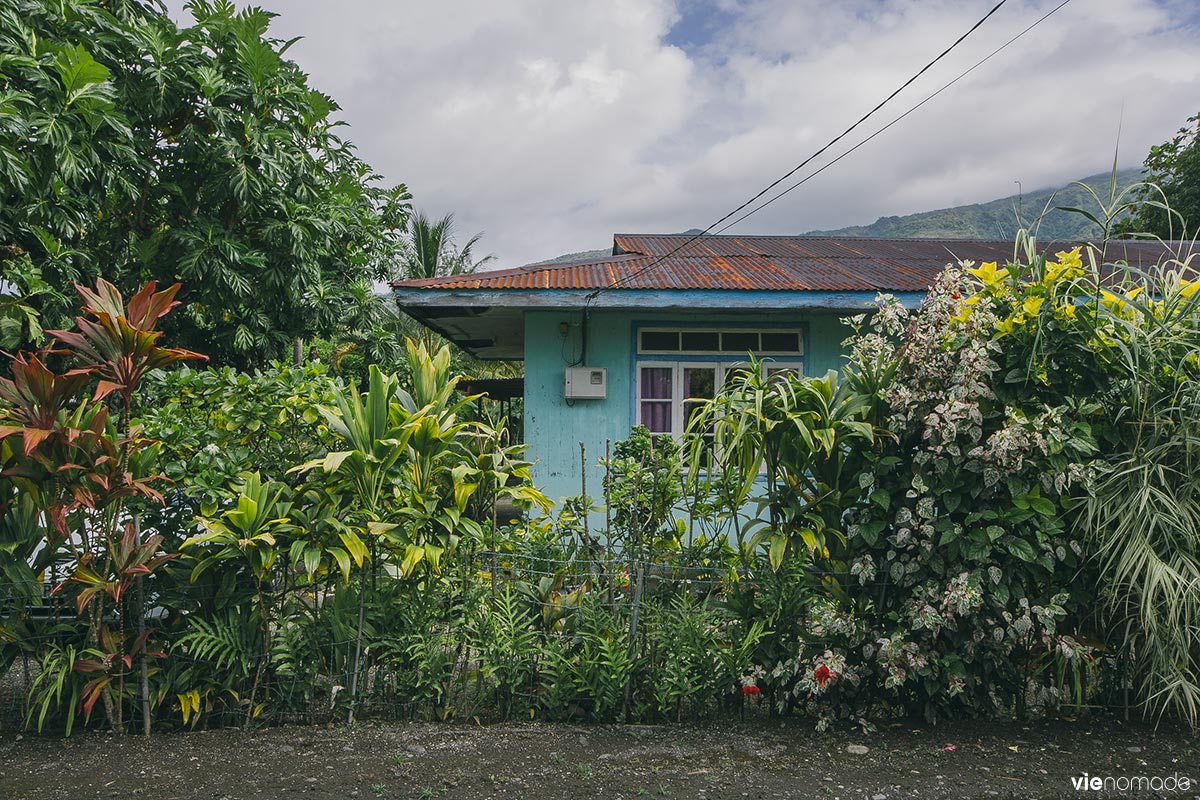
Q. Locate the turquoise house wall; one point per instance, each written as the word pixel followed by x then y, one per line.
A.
pixel 553 430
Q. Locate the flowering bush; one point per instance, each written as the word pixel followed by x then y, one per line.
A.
pixel 1007 518
pixel 960 583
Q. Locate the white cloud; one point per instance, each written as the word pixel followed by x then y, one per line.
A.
pixel 552 124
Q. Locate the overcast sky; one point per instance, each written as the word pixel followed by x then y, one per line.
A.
pixel 551 124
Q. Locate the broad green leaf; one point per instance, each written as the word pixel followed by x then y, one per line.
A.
pixel 1021 549
pixel 343 561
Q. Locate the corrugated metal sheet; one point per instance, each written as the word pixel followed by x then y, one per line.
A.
pixel 765 263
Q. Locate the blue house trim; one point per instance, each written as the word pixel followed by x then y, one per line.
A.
pixel 723 299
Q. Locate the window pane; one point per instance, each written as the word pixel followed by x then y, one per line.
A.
pixel 781 342
pixel 699 382
pixel 701 341
pixel 739 342
pixel 656 383
pixel 660 340
pixel 656 416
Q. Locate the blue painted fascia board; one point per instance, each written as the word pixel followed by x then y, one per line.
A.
pixel 716 299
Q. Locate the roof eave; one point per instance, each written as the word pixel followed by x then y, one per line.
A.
pixel 695 299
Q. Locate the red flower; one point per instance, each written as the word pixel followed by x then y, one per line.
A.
pixel 822 673
pixel 750 690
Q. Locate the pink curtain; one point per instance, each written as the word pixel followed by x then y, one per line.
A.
pixel 657 417
pixel 656 385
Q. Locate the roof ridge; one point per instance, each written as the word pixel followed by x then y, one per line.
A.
pixel 787 263
pixel 701 237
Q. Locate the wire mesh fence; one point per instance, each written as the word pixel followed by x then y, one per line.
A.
pixel 501 633
pixel 443 665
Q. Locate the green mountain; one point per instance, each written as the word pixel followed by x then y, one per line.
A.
pixel 993 220
pixel 998 218
pixel 582 255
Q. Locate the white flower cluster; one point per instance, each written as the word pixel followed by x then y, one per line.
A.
pixel 826 619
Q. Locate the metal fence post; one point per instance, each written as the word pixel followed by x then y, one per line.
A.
pixel 608 563
pixel 633 626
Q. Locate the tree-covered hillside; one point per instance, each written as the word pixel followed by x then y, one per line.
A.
pixel 998 218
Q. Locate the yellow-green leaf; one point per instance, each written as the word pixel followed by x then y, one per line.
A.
pixel 777 550
pixel 412 557
pixel 343 561
pixel 355 546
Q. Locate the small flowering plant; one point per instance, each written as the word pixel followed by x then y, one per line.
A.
pixel 822 675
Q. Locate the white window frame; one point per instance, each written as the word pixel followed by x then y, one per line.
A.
pixel 677 400
pixel 683 354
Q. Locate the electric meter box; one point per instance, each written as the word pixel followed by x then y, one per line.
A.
pixel 585 383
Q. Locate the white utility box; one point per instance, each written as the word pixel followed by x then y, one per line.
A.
pixel 585 383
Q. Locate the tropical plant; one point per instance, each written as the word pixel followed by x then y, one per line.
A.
pixel 221 654
pixel 960 550
pixel 1143 512
pixel 133 148
pixel 806 435
pixel 698 656
pixel 251 532
pixel 216 423
pixel 1170 207
pixel 430 250
pixel 643 485
pixel 20 321
pixel 81 468
pixel 58 684
pixel 507 644
pixel 592 668
pixel 371 330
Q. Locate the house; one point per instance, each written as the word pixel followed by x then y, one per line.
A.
pixel 627 338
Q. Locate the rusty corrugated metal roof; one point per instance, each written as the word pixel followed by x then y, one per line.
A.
pixel 765 263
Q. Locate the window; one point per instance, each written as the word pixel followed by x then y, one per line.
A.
pixel 677 370
pixel 670 393
pixel 787 343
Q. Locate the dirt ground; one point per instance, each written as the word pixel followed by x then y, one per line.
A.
pixel 733 759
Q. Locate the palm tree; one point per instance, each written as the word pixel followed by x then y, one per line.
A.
pixel 429 250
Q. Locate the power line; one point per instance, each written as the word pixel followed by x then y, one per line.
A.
pixel 803 163
pixel 817 172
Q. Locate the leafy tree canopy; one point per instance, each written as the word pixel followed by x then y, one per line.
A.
pixel 1173 167
pixel 135 149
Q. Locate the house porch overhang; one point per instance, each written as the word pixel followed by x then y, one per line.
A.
pixel 489 323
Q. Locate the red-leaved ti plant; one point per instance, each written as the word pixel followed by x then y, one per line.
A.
pixel 75 460
pixel 119 344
